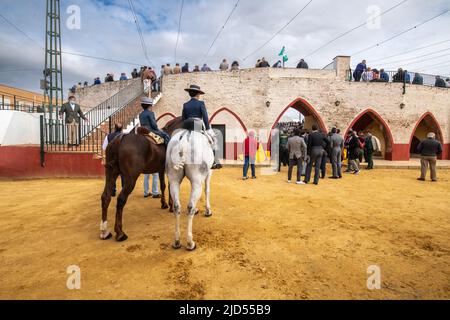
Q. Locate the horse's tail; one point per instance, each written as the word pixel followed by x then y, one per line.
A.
pixel 112 154
pixel 179 153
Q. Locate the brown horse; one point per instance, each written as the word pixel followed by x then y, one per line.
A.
pixel 130 156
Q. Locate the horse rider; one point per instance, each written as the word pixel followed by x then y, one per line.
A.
pixel 147 119
pixel 195 116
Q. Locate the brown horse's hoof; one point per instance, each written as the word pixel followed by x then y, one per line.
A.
pixel 176 245
pixel 164 206
pixel 171 210
pixel 122 237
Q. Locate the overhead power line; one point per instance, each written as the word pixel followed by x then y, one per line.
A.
pixel 355 28
pixel 399 34
pixel 409 51
pixel 139 30
pixel 276 33
pixel 413 58
pixel 65 52
pixel 223 27
pixel 179 29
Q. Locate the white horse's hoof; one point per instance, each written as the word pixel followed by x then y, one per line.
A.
pixel 176 245
pixel 105 236
pixel 191 247
pixel 208 214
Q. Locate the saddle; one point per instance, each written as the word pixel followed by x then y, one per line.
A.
pixel 152 137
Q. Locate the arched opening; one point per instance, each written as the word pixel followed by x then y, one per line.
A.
pixel 297 113
pixel 164 119
pixel 232 133
pixel 426 124
pixel 371 121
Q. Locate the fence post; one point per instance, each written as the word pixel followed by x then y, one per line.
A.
pixel 15 103
pixel 41 126
pixel 110 124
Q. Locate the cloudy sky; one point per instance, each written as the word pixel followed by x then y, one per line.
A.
pixel 108 30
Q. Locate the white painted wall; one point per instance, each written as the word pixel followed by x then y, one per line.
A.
pixel 19 128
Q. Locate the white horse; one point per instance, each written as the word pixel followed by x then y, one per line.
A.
pixel 189 154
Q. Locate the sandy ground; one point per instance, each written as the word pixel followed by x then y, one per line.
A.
pixel 266 240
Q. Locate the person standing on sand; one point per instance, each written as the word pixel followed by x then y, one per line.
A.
pixel 429 149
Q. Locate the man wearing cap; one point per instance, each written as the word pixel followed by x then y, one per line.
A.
pixel 196 110
pixel 147 119
pixel 73 114
pixel 429 149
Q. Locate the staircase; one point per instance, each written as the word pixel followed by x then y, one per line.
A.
pixel 124 107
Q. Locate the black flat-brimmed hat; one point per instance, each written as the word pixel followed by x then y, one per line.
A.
pixel 194 88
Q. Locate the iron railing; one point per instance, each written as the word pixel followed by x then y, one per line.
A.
pixel 115 103
pixel 394 76
pixel 90 135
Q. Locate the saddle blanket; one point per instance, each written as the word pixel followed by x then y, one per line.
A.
pixel 156 138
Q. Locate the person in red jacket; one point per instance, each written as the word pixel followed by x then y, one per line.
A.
pixel 250 148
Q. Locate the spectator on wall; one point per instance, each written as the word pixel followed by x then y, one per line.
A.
pixel 97 81
pixel 258 63
pixel 123 77
pixel 86 84
pixel 205 68
pixel 399 76
pixel 235 66
pixel 224 65
pixel 439 82
pixel 185 68
pixel 277 64
pixel 384 77
pixel 264 63
pixel 367 75
pixel 418 79
pixel 196 69
pixel 360 68
pixel 447 82
pixel 407 77
pixel 134 74
pixel 177 69
pixel 168 69
pixel 302 64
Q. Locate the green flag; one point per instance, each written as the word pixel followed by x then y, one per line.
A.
pixel 282 52
pixel 285 58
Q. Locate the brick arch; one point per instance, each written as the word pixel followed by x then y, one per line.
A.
pixel 224 109
pixel 376 116
pixel 305 108
pixel 435 122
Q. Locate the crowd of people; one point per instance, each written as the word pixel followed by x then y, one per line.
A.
pixel 305 150
pixel 363 73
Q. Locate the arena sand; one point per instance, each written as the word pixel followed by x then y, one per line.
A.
pixel 266 240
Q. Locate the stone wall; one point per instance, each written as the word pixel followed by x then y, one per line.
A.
pixel 337 102
pixel 92 96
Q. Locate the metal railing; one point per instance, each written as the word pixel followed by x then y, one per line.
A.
pixel 29 108
pixel 57 136
pixel 406 78
pixel 110 106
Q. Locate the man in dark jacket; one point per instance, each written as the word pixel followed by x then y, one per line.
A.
pixel 418 79
pixel 368 150
pixel 353 152
pixel 360 68
pixel 429 149
pixel 317 142
pixel 195 110
pixel 147 119
pixel 439 82
pixel 302 65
